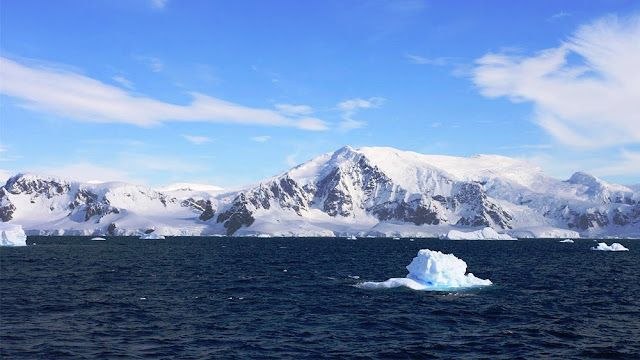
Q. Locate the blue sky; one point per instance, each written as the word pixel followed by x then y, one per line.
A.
pixel 230 92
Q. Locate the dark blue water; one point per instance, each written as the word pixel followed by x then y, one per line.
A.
pixel 198 298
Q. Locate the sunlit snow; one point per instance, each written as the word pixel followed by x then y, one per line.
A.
pixel 484 234
pixel 432 270
pixel 614 247
pixel 12 235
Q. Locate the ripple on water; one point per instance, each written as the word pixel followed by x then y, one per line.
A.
pixel 194 298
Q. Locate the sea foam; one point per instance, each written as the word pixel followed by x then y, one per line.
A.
pixel 432 270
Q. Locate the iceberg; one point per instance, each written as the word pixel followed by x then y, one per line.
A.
pixel 432 270
pixel 569 241
pixel 152 236
pixel 12 235
pixel 614 247
pixel 98 239
pixel 484 234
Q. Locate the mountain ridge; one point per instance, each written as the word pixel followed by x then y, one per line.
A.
pixel 368 191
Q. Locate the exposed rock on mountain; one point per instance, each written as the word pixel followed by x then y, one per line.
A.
pixel 376 191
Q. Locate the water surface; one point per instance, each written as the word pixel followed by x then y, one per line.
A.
pixel 243 298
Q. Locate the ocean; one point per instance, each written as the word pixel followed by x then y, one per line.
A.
pixel 295 298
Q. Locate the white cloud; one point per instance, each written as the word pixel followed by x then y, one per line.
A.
pixel 159 4
pixel 351 106
pixel 558 15
pixel 85 172
pixel 2 149
pixel 354 104
pixel 527 146
pixel 78 97
pixel 593 103
pixel 628 165
pixel 123 81
pixel 415 59
pixel 294 110
pixel 155 64
pixel 198 140
pixel 291 160
pixel 260 138
pixel 4 176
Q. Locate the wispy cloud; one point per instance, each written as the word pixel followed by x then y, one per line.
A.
pixel 350 107
pixel 527 146
pixel 86 171
pixel 592 103
pixel 198 140
pixel 439 61
pixel 155 64
pixel 158 4
pixel 260 138
pixel 78 97
pixel 128 167
pixel 294 110
pixel 123 81
pixel 629 164
pixel 291 160
pixel 558 15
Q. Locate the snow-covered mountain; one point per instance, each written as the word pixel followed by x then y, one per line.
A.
pixel 369 191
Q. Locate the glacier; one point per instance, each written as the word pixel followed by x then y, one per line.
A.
pixel 614 247
pixel 12 235
pixel 432 270
pixel 371 191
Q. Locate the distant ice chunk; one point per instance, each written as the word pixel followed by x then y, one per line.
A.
pixel 98 239
pixel 484 234
pixel 12 235
pixel 569 241
pixel 432 270
pixel 614 247
pixel 152 236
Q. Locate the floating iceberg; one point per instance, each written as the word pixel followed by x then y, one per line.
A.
pixel 484 234
pixel 152 236
pixel 12 235
pixel 98 239
pixel 432 270
pixel 569 241
pixel 614 247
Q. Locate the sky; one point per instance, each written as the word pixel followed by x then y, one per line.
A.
pixel 231 92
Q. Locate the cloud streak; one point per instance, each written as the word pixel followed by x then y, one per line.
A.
pixel 585 92
pixel 350 107
pixel 260 138
pixel 415 59
pixel 82 98
pixel 198 140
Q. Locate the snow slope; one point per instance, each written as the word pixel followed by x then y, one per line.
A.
pixel 367 191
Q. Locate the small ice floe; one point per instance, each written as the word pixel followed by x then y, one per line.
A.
pixel 432 270
pixel 143 298
pixel 152 236
pixel 396 238
pixel 352 237
pixel 614 247
pixel 354 277
pixel 97 238
pixel 568 241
